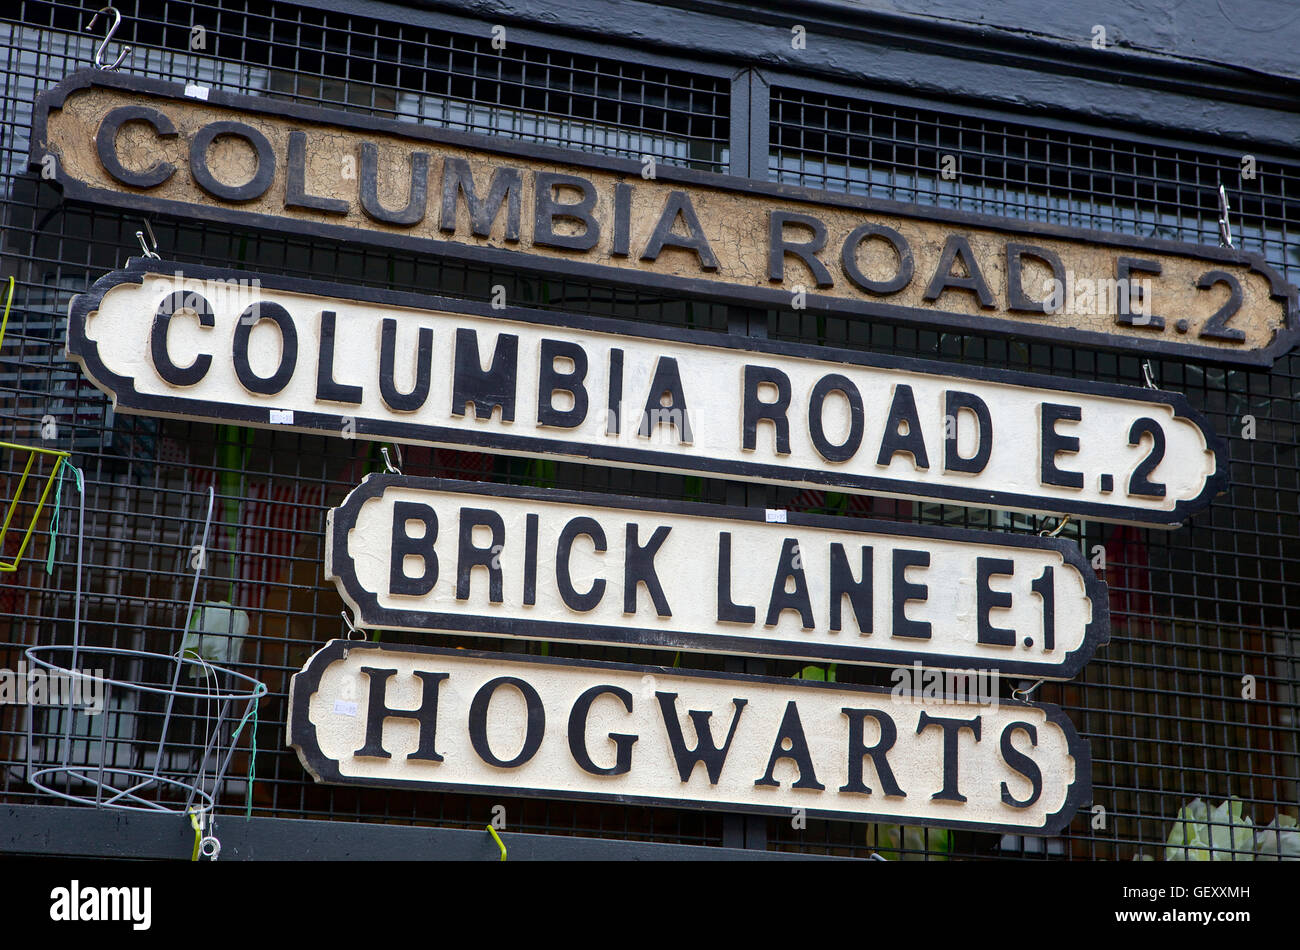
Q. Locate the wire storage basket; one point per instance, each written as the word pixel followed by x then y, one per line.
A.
pixel 135 730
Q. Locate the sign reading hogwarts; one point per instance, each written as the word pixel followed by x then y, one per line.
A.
pixel 422 554
pixel 457 720
pixel 143 144
pixel 225 346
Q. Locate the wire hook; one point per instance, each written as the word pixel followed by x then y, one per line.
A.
pixel 1057 530
pixel 112 30
pixel 347 621
pixel 1149 375
pixel 388 463
pixel 1023 694
pixel 150 249
pixel 1225 228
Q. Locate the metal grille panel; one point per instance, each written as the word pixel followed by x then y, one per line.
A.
pixel 1195 610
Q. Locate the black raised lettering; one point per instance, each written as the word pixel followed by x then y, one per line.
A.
pixel 903 431
pixel 106 145
pixel 551 380
pixel 678 206
pixel 253 315
pixel 405 545
pixel 563 549
pixel 639 568
pixel 951 729
pixel 295 185
pixel 705 751
pixel 756 411
pixel 791 731
pixel 171 305
pixel 1053 442
pixel 578 733
pixel 485 389
pixel 858 750
pixel 534 725
pixel 506 189
pixel 378 712
pixel 417 199
pixel 958 247
pixel 905 591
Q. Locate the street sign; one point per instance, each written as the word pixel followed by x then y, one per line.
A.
pixel 427 554
pixel 458 720
pixel 254 161
pixel 191 342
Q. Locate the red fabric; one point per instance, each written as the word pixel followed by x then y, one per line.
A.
pixel 1128 576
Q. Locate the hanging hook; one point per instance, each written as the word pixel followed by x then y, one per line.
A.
pixel 347 621
pixel 1055 531
pixel 388 463
pixel 1225 228
pixel 150 249
pixel 1023 694
pixel 99 52
pixel 1149 375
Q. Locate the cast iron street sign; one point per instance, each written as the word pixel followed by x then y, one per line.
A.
pixel 197 343
pixel 426 554
pixel 456 720
pixel 254 161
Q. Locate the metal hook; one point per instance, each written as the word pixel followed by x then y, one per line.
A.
pixel 1057 530
pixel 1023 694
pixel 1149 375
pixel 1225 229
pixel 347 621
pixel 99 52
pixel 388 464
pixel 150 249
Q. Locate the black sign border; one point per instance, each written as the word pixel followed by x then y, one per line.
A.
pixel 367 611
pixel 300 735
pixel 81 349
pixel 1284 340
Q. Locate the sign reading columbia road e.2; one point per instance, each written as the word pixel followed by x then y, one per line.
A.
pixel 424 554
pixel 225 346
pixel 255 161
pixel 456 720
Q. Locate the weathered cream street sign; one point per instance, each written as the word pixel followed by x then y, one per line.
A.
pixel 425 554
pixel 225 346
pixel 257 161
pixel 456 720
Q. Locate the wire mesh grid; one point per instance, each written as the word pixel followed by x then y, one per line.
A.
pixel 1202 617
pixel 1195 610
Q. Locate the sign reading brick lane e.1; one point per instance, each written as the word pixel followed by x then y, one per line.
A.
pixel 226 346
pixel 424 554
pixel 456 720
pixel 256 161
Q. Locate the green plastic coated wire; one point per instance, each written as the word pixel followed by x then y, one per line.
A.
pixel 64 465
pixel 252 758
pixel 497 838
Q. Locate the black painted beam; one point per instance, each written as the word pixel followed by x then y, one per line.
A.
pixel 111 833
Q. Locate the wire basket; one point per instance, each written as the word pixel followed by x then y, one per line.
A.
pixel 130 731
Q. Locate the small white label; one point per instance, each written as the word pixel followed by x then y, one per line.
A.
pixel 281 417
pixel 345 708
pixel 196 92
pixel 776 516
